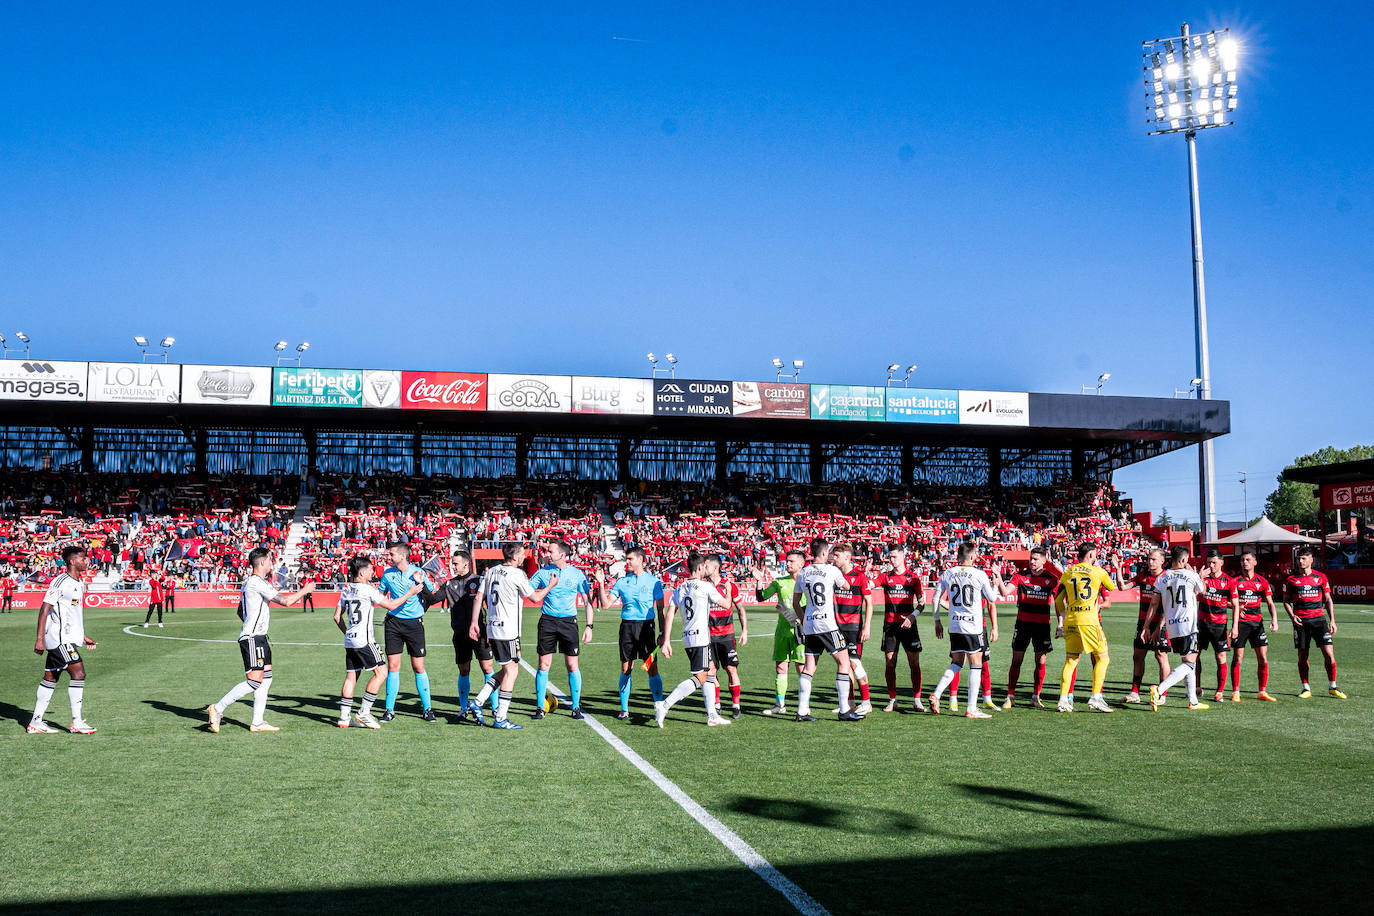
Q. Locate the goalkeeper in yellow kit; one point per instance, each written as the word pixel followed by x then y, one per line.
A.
pixel 1080 595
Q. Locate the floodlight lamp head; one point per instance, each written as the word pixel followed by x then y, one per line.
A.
pixel 279 346
pixel 894 367
pixel 653 359
pixel 167 342
pixel 797 364
pixel 777 363
pixel 1195 383
pixel 1104 376
pixel 23 338
pixel 2 339
pixel 671 358
pixel 912 368
pixel 140 340
pixel 305 345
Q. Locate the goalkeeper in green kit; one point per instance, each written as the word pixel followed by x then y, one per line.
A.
pixel 787 644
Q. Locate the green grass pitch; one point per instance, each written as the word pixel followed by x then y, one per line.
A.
pixel 1032 811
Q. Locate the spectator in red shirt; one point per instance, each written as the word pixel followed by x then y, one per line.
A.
pixel 154 600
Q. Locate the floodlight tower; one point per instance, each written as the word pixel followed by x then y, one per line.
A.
pixel 1190 85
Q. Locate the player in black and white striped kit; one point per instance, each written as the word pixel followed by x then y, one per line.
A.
pixel 256 602
pixel 354 616
pixel 62 635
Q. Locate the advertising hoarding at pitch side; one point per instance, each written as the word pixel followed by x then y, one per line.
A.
pixel 774 400
pixel 594 394
pixel 295 386
pixel 443 390
pixel 847 402
pixel 226 385
pixel 994 408
pixel 680 397
pixel 922 405
pixel 530 393
pixel 42 380
pixel 134 383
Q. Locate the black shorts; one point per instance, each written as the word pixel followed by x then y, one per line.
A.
pixel 64 656
pixel 1184 645
pixel 850 632
pixel 464 648
pixel 637 640
pixel 831 643
pixel 966 642
pixel 699 658
pixel 1312 631
pixel 1212 635
pixel 724 652
pixel 557 634
pixel 894 635
pixel 505 651
pixel 404 634
pixel 256 651
pixel 364 659
pixel 1161 643
pixel 1250 633
pixel 1031 633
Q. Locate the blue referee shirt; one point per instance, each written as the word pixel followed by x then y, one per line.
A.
pixel 396 583
pixel 638 595
pixel 561 601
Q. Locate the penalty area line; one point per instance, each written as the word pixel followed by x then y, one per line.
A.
pixel 748 855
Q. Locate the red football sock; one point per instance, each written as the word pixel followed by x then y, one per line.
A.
pixel 1039 677
pixel 1221 676
pixel 1331 670
pixel 1303 669
pixel 863 691
pixel 954 684
pixel 1135 680
pixel 987 680
pixel 1013 675
pixel 1235 674
pixel 1263 673
pixel 890 678
pixel 916 683
pixel 717 694
pixel 734 694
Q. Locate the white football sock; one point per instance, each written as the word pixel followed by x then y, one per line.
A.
pixel 502 705
pixel 368 700
pixel 487 690
pixel 345 708
pixel 803 694
pixel 975 682
pixel 1191 680
pixel 75 692
pixel 945 679
pixel 680 691
pixel 45 692
pixel 708 693
pixel 842 690
pixel 260 699
pixel 236 693
pixel 1175 676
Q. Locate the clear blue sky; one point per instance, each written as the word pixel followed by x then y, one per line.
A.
pixel 457 186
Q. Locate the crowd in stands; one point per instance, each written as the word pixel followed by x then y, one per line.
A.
pixel 198 531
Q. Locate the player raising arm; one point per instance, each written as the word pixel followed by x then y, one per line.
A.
pixel 1174 609
pixel 966 591
pixel 1307 599
pixel 62 636
pixel 1145 581
pixel 697 598
pixel 353 617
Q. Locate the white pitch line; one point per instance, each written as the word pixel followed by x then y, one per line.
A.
pixel 137 626
pixel 732 841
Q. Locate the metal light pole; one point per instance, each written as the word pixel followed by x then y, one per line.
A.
pixel 1245 494
pixel 1191 85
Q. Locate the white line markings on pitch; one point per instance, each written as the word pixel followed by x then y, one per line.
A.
pixel 732 841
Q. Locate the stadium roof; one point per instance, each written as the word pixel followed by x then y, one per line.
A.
pixel 1341 472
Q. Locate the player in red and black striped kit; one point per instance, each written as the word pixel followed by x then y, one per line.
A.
pixel 854 614
pixel 1307 599
pixel 904 594
pixel 1034 592
pixel 1145 581
pixel 1217 615
pixel 1253 590
pixel 722 623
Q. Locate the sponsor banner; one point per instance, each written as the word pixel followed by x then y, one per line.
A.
pixel 777 400
pixel 693 398
pixel 1348 495
pixel 42 380
pixel 994 408
pixel 381 388
pixel 294 386
pixel 186 599
pixel 1351 584
pixel 226 385
pixel 118 601
pixel 134 383
pixel 593 394
pixel 444 390
pixel 922 405
pixel 847 402
pixel 530 393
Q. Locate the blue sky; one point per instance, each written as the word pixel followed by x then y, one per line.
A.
pixel 459 186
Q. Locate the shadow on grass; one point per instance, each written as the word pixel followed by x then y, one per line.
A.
pixel 851 818
pixel 15 713
pixel 1106 877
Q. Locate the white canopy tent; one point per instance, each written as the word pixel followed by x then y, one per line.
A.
pixel 1264 532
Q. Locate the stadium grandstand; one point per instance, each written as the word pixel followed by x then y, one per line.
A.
pixel 176 471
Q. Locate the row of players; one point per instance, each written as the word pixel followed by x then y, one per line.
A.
pixel 824 608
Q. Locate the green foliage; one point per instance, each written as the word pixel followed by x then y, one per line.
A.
pixel 1294 503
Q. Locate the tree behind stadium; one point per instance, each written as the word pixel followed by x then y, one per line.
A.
pixel 1296 503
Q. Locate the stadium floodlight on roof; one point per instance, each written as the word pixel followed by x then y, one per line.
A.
pixel 1190 85
pixel 1190 81
pixel 279 346
pixel 140 341
pixel 777 362
pixel 167 342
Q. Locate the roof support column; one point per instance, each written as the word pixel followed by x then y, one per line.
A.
pixel 818 459
pixel 908 464
pixel 995 467
pixel 522 457
pixel 417 451
pixel 722 461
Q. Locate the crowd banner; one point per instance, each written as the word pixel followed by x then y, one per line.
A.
pixel 134 383
pixel 599 394
pixel 994 408
pixel 529 393
pixel 295 386
pixel 240 385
